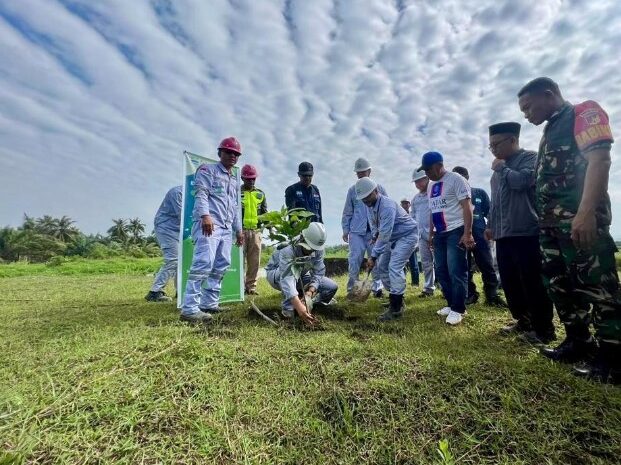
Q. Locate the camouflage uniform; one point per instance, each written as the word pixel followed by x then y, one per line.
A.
pixel 583 285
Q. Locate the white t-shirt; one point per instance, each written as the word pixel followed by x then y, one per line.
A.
pixel 444 198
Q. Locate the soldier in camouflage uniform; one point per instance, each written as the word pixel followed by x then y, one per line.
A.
pixel 579 269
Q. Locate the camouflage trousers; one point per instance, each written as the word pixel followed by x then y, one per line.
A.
pixel 583 285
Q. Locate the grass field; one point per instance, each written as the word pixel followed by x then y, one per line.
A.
pixel 91 373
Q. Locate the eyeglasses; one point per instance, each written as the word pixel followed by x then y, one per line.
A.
pixel 495 145
pixel 231 153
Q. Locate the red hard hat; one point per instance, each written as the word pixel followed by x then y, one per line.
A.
pixel 230 143
pixel 249 171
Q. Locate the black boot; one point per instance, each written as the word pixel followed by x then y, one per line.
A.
pixel 159 296
pixel 472 298
pixel 571 350
pixel 395 310
pixel 605 367
pixel 496 301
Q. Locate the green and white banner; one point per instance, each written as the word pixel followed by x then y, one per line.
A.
pixel 233 282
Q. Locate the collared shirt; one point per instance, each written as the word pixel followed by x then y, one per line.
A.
pixel 217 194
pixel 299 196
pixel 421 213
pixel 389 223
pixel 283 261
pixel 569 137
pixel 512 211
pixel 480 201
pixel 168 216
pixel 355 219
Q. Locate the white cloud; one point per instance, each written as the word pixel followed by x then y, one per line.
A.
pixel 99 99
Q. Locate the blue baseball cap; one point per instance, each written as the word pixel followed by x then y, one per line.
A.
pixel 430 159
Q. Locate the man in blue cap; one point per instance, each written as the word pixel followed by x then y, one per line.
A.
pixel 451 215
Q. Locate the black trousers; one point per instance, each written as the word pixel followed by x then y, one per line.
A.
pixel 482 255
pixel 519 263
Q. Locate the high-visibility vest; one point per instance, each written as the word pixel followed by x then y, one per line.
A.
pixel 250 205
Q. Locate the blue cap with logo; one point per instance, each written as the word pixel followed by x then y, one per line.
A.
pixel 430 159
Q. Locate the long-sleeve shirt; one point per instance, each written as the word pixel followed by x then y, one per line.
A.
pixel 168 216
pixel 355 219
pixel 421 213
pixel 308 198
pixel 389 223
pixel 480 201
pixel 513 211
pixel 217 195
pixel 283 260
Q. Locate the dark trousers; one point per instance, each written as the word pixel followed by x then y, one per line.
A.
pixel 414 271
pixel 452 267
pixel 584 285
pixel 519 264
pixel 482 256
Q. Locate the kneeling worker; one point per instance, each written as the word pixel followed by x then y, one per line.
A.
pixel 307 255
pixel 395 237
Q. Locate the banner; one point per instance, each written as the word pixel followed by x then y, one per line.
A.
pixel 233 282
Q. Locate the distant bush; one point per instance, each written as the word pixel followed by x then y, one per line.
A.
pixel 98 251
pixel 56 260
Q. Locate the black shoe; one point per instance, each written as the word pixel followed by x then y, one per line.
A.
pixel 211 311
pixel 517 327
pixel 536 339
pixel 600 372
pixel 425 294
pixel 472 298
pixel 605 367
pixel 378 294
pixel 395 311
pixel 197 318
pixel 159 296
pixel 496 301
pixel 571 351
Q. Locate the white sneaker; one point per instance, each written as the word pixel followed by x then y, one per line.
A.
pixel 454 318
pixel 444 311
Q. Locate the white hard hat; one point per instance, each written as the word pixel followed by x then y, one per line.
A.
pixel 405 199
pixel 362 164
pixel 364 186
pixel 416 175
pixel 315 236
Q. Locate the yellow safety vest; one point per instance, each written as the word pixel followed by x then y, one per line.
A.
pixel 250 204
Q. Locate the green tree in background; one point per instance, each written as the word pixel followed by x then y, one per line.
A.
pixel 119 231
pixel 135 228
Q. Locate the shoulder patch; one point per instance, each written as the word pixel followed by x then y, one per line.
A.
pixel 591 125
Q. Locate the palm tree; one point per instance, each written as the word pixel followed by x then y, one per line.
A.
pixel 46 225
pixel 65 231
pixel 136 229
pixel 29 222
pixel 118 231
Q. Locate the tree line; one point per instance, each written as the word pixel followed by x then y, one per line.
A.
pixel 40 239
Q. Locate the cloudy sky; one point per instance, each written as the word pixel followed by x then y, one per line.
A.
pixel 98 99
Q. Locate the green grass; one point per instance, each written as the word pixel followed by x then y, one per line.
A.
pixel 91 373
pixel 83 266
